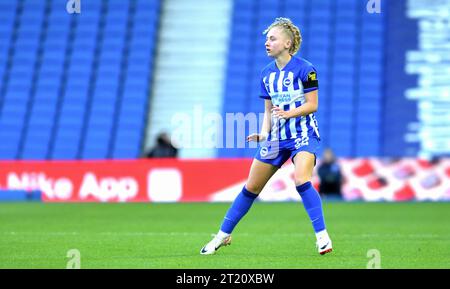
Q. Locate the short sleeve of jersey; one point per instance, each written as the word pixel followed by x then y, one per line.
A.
pixel 263 91
pixel 309 79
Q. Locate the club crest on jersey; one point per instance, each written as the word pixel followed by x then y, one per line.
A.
pixel 287 82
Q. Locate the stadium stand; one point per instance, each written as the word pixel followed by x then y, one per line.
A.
pixel 75 86
pixel 78 86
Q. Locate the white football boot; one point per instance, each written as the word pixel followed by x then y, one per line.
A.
pixel 215 244
pixel 324 244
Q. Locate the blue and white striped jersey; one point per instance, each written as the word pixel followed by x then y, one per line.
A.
pixel 286 88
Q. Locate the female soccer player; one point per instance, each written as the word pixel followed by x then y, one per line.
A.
pixel 289 86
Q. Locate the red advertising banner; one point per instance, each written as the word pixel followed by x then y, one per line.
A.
pixel 156 180
pixel 171 180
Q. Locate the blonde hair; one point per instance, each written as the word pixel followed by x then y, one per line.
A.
pixel 292 31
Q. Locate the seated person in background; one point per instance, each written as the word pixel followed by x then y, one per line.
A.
pixel 329 175
pixel 163 148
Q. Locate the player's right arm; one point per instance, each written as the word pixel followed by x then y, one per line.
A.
pixel 267 123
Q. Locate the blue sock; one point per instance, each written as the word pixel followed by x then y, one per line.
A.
pixel 238 209
pixel 313 205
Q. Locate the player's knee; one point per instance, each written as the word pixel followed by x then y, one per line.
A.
pixel 252 188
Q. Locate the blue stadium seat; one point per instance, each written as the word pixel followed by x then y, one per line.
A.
pixel 66 146
pixel 322 14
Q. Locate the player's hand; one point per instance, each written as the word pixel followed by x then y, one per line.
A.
pixel 256 137
pixel 280 113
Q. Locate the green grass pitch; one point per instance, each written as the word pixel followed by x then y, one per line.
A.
pixel 272 235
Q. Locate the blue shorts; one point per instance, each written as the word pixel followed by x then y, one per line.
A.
pixel 277 153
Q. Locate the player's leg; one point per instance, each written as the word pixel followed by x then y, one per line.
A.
pixel 259 175
pixel 304 164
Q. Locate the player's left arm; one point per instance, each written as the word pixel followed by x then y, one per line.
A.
pixel 311 105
